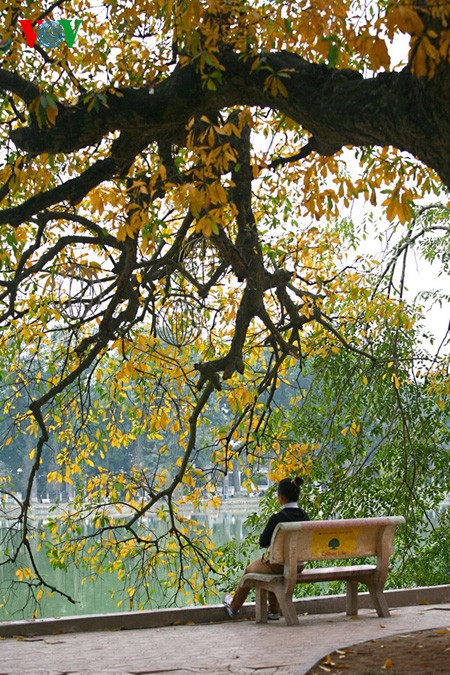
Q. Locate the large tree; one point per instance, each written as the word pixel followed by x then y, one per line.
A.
pixel 171 175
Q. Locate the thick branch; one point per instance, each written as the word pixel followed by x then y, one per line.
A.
pixel 124 151
pixel 18 85
pixel 338 107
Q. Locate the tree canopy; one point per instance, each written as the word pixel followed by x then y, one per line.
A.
pixel 174 179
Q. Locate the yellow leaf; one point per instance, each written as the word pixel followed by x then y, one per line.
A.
pixel 256 170
pixel 52 113
pixel 163 420
pixel 379 55
pixel 419 66
pixel 387 664
pixel 97 201
pixel 392 206
pixel 408 21
pixel 404 211
pixel 31 455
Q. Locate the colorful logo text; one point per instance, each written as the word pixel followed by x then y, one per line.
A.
pixel 50 33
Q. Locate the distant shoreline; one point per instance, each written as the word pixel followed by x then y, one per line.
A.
pixel 232 505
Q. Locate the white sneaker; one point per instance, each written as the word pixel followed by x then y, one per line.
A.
pixel 232 613
pixel 273 616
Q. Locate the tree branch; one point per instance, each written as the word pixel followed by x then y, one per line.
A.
pixel 338 108
pixel 123 153
pixel 18 85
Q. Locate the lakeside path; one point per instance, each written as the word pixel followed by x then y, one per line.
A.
pixel 238 647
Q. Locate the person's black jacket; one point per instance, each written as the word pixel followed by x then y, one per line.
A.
pixel 284 516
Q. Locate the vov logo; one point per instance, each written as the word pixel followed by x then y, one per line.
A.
pixel 50 33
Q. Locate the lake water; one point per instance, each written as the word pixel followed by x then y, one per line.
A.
pixel 95 597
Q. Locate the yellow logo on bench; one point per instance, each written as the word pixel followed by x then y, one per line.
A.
pixel 333 544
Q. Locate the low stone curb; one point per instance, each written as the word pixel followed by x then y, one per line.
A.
pixel 211 614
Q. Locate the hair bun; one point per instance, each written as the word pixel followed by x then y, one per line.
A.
pixel 298 481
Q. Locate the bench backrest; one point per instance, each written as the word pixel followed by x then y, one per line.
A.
pixel 329 539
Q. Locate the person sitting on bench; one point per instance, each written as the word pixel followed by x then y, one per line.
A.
pixel 288 492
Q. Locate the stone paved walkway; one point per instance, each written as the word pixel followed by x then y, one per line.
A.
pixel 238 647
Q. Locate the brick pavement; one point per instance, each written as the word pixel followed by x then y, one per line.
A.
pixel 238 647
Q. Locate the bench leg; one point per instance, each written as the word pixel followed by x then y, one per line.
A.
pixel 379 600
pixel 352 598
pixel 261 605
pixel 288 609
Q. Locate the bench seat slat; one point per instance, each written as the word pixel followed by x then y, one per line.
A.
pixel 247 579
pixel 315 575
pixel 335 573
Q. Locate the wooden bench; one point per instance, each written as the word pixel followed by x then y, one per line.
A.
pixel 327 540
